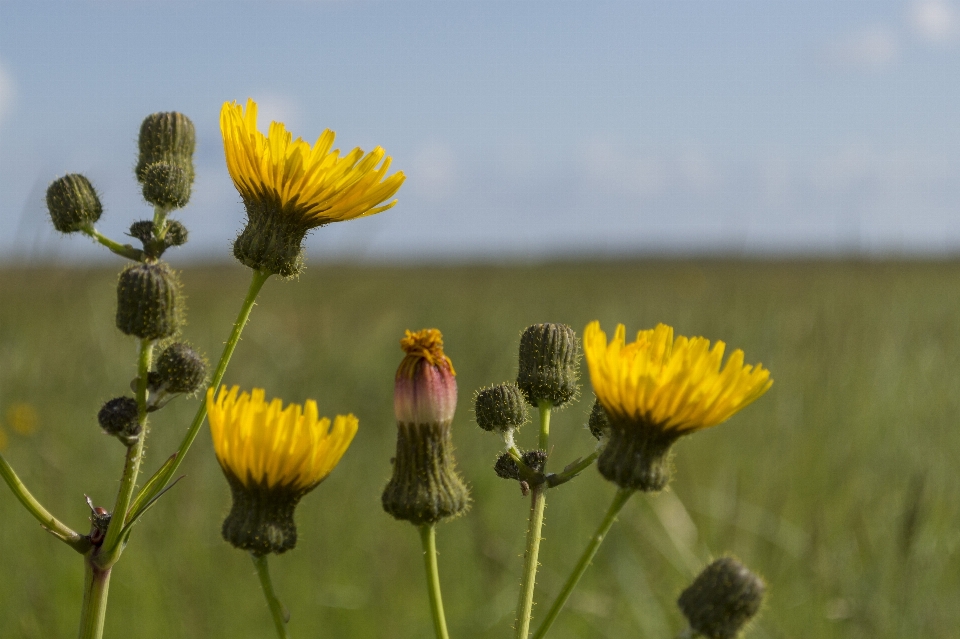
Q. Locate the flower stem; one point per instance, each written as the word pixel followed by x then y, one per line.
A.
pixel 618 501
pixel 428 535
pixel 538 503
pixel 60 530
pixel 123 250
pixel 96 585
pixel 256 283
pixel 112 544
pixel 279 613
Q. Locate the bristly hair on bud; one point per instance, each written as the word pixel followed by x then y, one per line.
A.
pixel 166 137
pixel 149 304
pixel 500 408
pixel 598 422
pixel 120 417
pixel 722 599
pixel 73 203
pixel 549 361
pixel 425 487
pixel 167 185
pixel 181 369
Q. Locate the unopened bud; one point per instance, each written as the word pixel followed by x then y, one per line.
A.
pixel 506 467
pixel 549 358
pixel 166 137
pixel 724 597
pixel 120 417
pixel 148 301
pixel 143 231
pixel 181 369
pixel 598 422
pixel 501 408
pixel 73 203
pixel 176 234
pixel 535 459
pixel 166 184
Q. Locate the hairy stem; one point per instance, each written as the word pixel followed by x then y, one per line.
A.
pixel 428 535
pixel 277 611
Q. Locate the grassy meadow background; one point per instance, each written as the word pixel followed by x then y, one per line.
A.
pixel 841 486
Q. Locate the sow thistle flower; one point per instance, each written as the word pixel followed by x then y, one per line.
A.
pixel 272 456
pixel 289 187
pixel 658 388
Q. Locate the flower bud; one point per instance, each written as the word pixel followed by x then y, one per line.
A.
pixel 176 234
pixel 506 467
pixel 535 459
pixel 501 408
pixel 724 597
pixel 549 357
pixel 120 417
pixel 598 423
pixel 181 369
pixel 166 137
pixel 148 301
pixel 425 487
pixel 73 203
pixel 143 231
pixel 167 185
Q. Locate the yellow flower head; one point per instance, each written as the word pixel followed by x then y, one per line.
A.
pixel 657 388
pixel 266 445
pixel 673 384
pixel 289 187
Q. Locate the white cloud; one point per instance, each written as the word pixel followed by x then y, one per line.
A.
pixel 873 47
pixel 8 92
pixel 935 21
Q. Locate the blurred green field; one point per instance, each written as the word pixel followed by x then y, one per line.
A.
pixel 841 485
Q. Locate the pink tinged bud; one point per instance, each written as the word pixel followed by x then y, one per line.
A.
pixel 425 390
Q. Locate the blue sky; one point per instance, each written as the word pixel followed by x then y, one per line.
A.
pixel 526 129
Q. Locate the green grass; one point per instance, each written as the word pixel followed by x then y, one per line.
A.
pixel 841 486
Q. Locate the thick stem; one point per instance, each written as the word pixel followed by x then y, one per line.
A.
pixel 96 585
pixel 428 535
pixel 60 530
pixel 538 503
pixel 256 283
pixel 131 468
pixel 618 501
pixel 277 611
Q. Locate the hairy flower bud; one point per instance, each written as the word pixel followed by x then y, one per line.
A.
pixel 148 301
pixel 166 137
pixel 425 487
pixel 73 203
pixel 724 597
pixel 501 408
pixel 120 417
pixel 598 423
pixel 176 234
pixel 167 184
pixel 181 369
pixel 549 358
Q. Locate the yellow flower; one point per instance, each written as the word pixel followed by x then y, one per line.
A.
pixel 271 456
pixel 656 389
pixel 263 443
pixel 289 187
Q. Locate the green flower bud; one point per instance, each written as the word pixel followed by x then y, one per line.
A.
pixel 176 234
pixel 501 408
pixel 506 467
pixel 148 301
pixel 166 137
pixel 535 459
pixel 724 597
pixel 73 203
pixel 120 417
pixel 181 369
pixel 167 185
pixel 143 231
pixel 549 358
pixel 598 421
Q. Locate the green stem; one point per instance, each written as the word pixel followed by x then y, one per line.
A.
pixel 112 546
pixel 572 470
pixel 96 585
pixel 124 250
pixel 618 501
pixel 60 530
pixel 259 279
pixel 428 535
pixel 160 221
pixel 538 503
pixel 279 613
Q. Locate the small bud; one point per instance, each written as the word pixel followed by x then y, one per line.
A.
pixel 73 203
pixel 598 421
pixel 425 487
pixel 181 369
pixel 549 357
pixel 143 231
pixel 501 408
pixel 166 184
pixel 176 234
pixel 166 137
pixel 148 301
pixel 535 459
pixel 120 417
pixel 506 467
pixel 724 597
